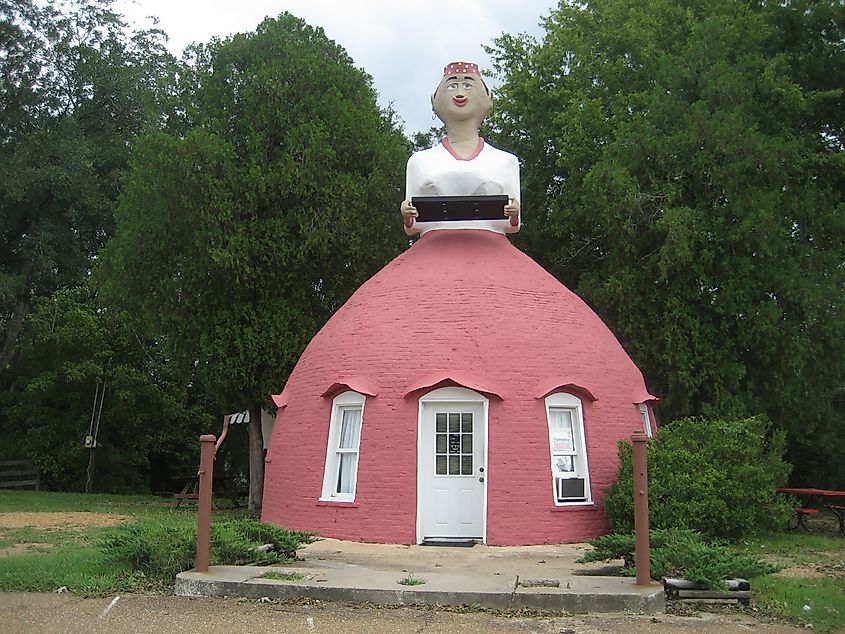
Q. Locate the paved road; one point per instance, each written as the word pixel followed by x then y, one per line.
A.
pixel 22 613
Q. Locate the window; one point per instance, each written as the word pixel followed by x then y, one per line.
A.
pixel 646 419
pixel 341 472
pixel 570 474
pixel 453 443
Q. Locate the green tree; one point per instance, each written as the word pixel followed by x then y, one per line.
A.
pixel 75 87
pixel 239 233
pixel 425 140
pixel 683 171
pixel 150 419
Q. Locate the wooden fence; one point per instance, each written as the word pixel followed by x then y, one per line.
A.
pixel 18 474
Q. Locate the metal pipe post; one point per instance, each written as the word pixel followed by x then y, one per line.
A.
pixel 642 553
pixel 205 473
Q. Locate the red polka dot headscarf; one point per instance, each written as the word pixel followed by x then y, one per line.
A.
pixel 461 68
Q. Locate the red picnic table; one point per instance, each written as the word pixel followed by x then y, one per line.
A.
pixel 828 498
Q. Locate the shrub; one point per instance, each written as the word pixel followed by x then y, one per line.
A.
pixel 718 477
pixel 679 553
pixel 160 547
pixel 234 541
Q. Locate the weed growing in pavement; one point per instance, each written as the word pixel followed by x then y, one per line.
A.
pixel 277 575
pixel 411 580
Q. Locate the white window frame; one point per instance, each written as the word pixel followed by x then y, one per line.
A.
pixel 346 401
pixel 647 428
pixel 572 404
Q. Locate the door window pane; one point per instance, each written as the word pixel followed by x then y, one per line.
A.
pixel 441 443
pixel 466 443
pixel 441 465
pixel 454 465
pixel 454 443
pixel 466 465
pixel 466 422
pixel 454 423
pixel 440 420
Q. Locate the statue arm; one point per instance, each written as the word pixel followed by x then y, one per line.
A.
pixel 409 213
pixel 512 212
pixel 513 209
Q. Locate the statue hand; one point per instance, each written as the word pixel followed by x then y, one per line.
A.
pixel 409 213
pixel 512 211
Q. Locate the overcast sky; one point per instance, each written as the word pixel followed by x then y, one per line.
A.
pixel 402 45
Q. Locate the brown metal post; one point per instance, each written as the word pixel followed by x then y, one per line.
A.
pixel 206 473
pixel 642 553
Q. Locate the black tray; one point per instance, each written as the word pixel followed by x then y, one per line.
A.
pixel 448 208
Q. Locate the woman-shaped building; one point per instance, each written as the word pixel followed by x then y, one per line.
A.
pixel 462 393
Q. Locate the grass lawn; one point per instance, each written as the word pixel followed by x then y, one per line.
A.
pixel 43 502
pixel 810 588
pixel 49 541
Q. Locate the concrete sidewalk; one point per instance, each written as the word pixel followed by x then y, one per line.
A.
pixel 513 577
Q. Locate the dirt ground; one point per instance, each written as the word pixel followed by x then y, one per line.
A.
pixel 48 522
pixel 60 520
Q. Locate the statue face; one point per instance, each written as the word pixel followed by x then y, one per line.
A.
pixel 461 98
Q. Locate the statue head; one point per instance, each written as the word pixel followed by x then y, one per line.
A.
pixel 461 95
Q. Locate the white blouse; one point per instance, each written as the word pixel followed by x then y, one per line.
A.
pixel 439 172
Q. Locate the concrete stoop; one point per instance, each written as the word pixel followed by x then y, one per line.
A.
pixel 573 594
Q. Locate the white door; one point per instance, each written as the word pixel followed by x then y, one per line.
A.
pixel 451 470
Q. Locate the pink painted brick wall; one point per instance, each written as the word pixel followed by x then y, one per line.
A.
pixel 462 303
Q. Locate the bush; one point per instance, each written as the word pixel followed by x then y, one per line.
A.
pixel 161 547
pixel 679 553
pixel 234 541
pixel 713 476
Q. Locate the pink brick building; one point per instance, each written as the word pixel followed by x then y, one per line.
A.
pixel 461 393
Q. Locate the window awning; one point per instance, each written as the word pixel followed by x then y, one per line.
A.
pixel 460 379
pixel 354 384
pixel 558 384
pixel 642 396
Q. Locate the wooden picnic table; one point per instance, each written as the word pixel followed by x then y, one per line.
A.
pixel 224 486
pixel 829 499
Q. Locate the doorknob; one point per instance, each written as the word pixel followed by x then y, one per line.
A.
pixel 481 479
